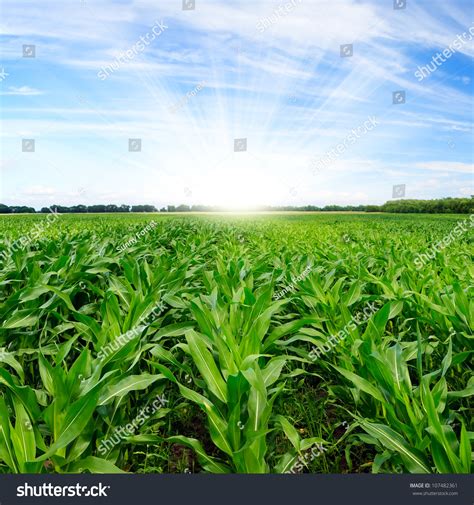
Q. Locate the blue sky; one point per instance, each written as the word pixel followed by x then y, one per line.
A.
pixel 267 71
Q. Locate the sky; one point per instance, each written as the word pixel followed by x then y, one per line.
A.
pixel 337 101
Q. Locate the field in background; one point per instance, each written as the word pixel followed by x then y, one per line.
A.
pixel 247 343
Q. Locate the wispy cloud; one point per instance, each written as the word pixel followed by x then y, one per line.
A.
pixel 447 166
pixel 21 91
pixel 286 90
pixel 39 191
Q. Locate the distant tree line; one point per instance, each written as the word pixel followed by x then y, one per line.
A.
pixel 5 209
pixel 439 206
pixel 78 209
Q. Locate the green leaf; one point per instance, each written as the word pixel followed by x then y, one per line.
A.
pixel 6 450
pixel 361 383
pixel 414 459
pixel 208 463
pixel 465 450
pixel 94 465
pixel 206 365
pixel 447 359
pixel 78 416
pixel 290 431
pixel 20 319
pixel 124 386
pixel 25 433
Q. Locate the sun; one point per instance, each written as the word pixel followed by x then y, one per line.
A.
pixel 240 184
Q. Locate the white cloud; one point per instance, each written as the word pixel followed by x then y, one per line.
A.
pixel 288 91
pixel 22 91
pixel 40 191
pixel 466 190
pixel 446 166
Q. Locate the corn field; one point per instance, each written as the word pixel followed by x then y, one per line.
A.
pixel 287 343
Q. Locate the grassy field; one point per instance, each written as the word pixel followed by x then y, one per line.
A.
pixel 215 343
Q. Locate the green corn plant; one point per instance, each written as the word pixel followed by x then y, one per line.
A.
pixel 412 423
pixel 238 382
pixel 82 349
pixel 37 437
